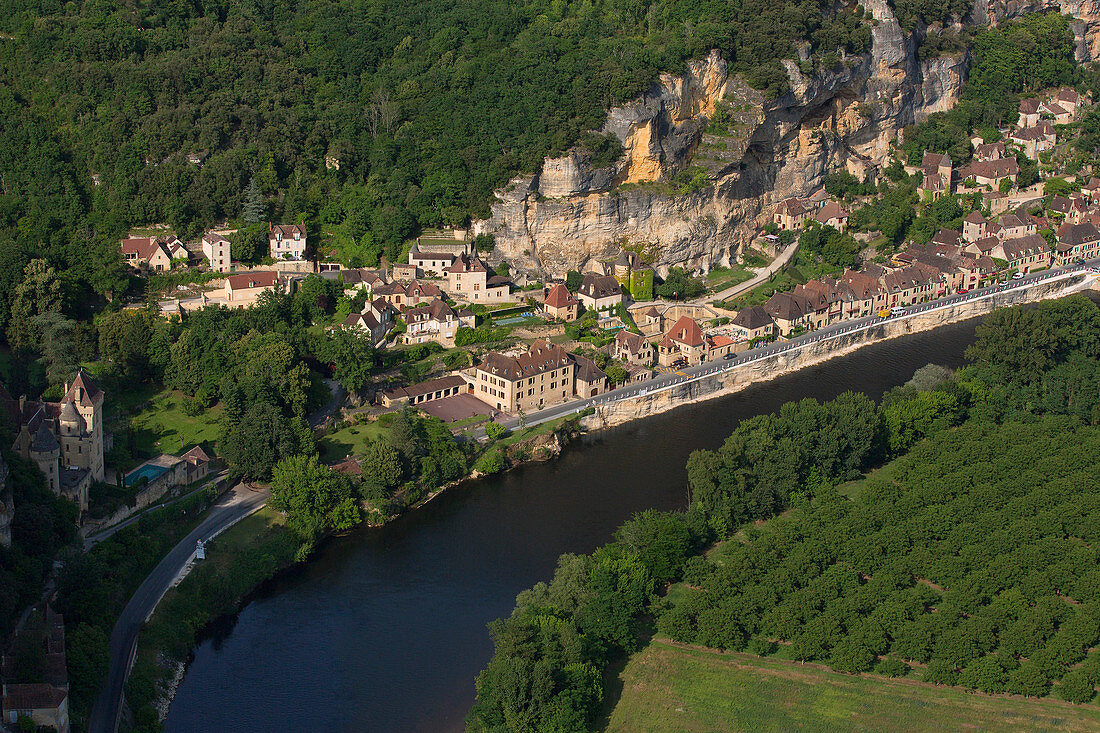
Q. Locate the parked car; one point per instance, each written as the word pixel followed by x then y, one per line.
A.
pixel 1017 275
pixel 897 310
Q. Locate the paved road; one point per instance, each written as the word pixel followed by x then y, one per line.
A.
pixel 773 267
pixel 234 506
pixel 688 374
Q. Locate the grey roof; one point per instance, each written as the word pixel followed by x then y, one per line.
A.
pixel 44 441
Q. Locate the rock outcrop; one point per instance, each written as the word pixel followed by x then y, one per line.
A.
pixel 706 157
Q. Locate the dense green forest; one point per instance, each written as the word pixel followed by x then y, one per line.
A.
pixel 425 108
pixel 922 562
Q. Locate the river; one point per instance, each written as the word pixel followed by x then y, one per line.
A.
pixel 384 630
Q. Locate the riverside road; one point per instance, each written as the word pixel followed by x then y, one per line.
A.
pixel 690 374
pixel 234 506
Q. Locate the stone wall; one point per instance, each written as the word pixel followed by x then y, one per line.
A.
pixel 734 380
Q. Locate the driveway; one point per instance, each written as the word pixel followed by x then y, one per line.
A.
pixel 761 277
pixel 231 508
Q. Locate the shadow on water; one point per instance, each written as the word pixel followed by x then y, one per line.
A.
pixel 385 628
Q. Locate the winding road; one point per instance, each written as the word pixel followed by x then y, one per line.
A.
pixel 231 508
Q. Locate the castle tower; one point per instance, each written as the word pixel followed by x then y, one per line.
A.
pixel 81 425
pixel 46 452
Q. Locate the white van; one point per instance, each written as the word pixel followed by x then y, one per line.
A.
pixel 1017 276
pixel 897 310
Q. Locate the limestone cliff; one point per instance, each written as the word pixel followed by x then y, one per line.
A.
pixel 706 157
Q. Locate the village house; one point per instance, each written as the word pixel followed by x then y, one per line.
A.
pixel 686 345
pixel 357 280
pixel 632 348
pixel 468 279
pixel 816 200
pixel 433 389
pixel 975 226
pixel 434 258
pixel 242 290
pixel 147 252
pixel 286 241
pixel 1057 112
pixel 600 293
pixel 907 286
pixel 376 320
pixel 1029 112
pixel 44 701
pixel 437 322
pixel 787 311
pixel 1076 242
pixel 407 294
pixel 753 323
pixel 832 215
pixel 867 294
pixel 938 171
pixel 403 271
pixel 560 304
pixel 588 379
pixel 981 247
pixel 1092 189
pixel 989 151
pixel 790 215
pixel 1024 254
pixel 1011 226
pixel 992 172
pixel 215 248
pixel 539 378
pixel 1032 141
pixel 65 439
pixel 1072 210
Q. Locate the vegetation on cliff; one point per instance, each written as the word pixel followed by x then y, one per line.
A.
pixel 369 118
pixel 892 574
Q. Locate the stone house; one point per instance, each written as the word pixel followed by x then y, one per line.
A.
pixel 407 294
pixel 753 322
pixel 1032 141
pixel 560 304
pixel 243 290
pixel 468 279
pixel 866 294
pixel 907 286
pixel 832 215
pixel 600 292
pixel 1029 112
pixel 1024 254
pixel 286 241
pixel 632 348
pixel 1068 98
pixel 989 151
pixel 975 226
pixel 437 322
pixel 790 214
pixel 432 264
pixel 588 379
pixel 539 378
pixel 787 311
pixel 1076 242
pixel 147 252
pixel 1012 226
pixel 992 172
pixel 215 248
pixel 1057 112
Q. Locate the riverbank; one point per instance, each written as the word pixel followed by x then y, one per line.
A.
pixel 735 380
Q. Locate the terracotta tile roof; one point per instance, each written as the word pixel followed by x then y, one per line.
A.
pixel 830 211
pixel 541 357
pixel 1021 247
pixel 785 307
pixel 247 280
pixel 635 343
pixel 586 369
pixel 560 297
pixel 790 207
pixel 1073 234
pixel 38 696
pixel 88 388
pixel 286 231
pixel 685 331
pixel 1029 106
pixel 466 263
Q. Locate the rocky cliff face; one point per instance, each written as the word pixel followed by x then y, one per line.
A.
pixel 706 157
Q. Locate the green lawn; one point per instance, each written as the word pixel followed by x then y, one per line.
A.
pixel 666 687
pixel 351 440
pixel 162 426
pixel 721 278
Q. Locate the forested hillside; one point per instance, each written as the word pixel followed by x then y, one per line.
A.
pixel 425 107
pixel 971 559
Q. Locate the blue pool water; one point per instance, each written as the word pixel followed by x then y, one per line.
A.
pixel 144 472
pixel 513 319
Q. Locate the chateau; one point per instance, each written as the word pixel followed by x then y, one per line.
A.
pixel 64 438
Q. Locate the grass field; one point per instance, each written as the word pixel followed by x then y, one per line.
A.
pixel 348 441
pixel 721 278
pixel 667 687
pixel 162 427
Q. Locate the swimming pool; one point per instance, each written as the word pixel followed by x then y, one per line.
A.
pixel 148 472
pixel 514 319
